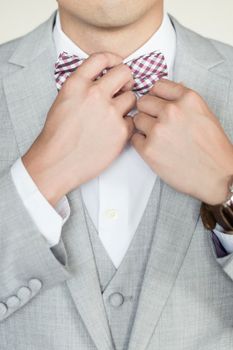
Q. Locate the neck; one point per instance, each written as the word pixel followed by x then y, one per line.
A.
pixel 121 40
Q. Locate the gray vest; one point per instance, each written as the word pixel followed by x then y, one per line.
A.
pixel 121 287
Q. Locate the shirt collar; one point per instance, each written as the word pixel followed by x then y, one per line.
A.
pixel 163 40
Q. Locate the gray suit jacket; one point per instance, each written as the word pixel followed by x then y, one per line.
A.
pixel 50 298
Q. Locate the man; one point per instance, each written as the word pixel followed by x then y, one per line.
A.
pixel 102 242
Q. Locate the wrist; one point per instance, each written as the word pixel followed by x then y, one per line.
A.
pixel 221 213
pixel 49 182
pixel 220 179
pixel 219 192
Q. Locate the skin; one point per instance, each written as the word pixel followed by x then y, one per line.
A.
pixel 110 25
pixel 72 150
pixel 183 142
pixel 171 124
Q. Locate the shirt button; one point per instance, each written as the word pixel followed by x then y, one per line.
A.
pixel 116 299
pixel 111 213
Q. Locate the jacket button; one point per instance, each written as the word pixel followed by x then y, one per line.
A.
pixel 35 284
pixel 13 301
pixel 3 309
pixel 24 293
pixel 116 299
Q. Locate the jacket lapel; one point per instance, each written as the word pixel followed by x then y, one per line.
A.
pixel 30 91
pixel 178 213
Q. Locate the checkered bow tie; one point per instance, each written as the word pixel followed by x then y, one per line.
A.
pixel 147 69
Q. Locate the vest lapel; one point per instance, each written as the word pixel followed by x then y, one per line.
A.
pixel 176 221
pixel 105 267
pixel 178 213
pixel 84 286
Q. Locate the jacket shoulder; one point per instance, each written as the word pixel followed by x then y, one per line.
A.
pixel 213 53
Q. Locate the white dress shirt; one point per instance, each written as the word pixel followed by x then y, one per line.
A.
pixel 117 198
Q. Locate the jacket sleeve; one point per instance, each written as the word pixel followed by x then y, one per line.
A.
pixel 27 263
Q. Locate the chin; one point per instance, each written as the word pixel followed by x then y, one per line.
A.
pixel 108 13
pixel 109 22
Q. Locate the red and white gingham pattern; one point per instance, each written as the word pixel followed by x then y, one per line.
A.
pixel 146 69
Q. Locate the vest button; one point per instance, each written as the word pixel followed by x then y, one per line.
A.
pixel 116 299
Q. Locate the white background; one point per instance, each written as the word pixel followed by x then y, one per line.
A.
pixel 212 18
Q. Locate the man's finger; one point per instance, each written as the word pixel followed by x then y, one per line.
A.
pixel 96 63
pixel 125 102
pixel 151 105
pixel 130 126
pixel 138 142
pixel 115 79
pixel 144 122
pixel 168 90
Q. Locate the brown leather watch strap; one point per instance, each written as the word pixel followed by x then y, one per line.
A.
pixel 212 214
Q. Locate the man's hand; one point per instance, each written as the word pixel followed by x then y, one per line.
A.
pixel 183 142
pixel 86 127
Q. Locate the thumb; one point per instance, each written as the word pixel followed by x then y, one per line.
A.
pixel 138 141
pixel 130 125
